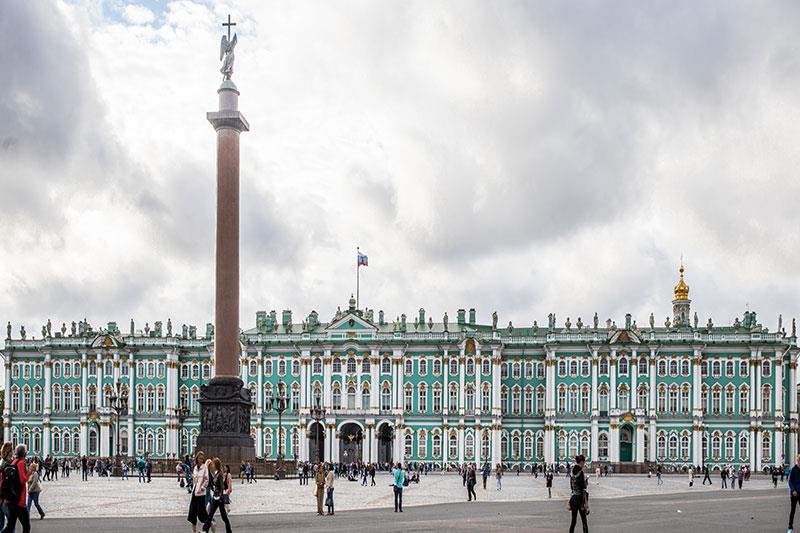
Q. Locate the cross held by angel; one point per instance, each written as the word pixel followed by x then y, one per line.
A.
pixel 226 51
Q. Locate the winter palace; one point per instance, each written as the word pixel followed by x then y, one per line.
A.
pixel 441 392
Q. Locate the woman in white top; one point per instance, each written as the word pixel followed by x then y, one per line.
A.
pixel 197 505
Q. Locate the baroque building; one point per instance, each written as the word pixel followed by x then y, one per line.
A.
pixel 438 392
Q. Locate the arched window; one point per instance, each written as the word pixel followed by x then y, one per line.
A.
pixel 37 399
pixel 504 446
pixel 716 400
pixel 562 447
pixel 337 365
pixel 268 442
pixel 744 400
pixel 643 399
pixel 386 397
pixel 643 366
pixel 408 445
pixel 453 445
pixel 766 369
pixel 573 399
pixel 151 399
pixel 673 399
pixel 351 365
pixel 685 367
pixel 422 399
pixel 515 399
pixel 470 366
pixel 673 447
pixel 365 366
pixel 744 447
pixel 623 366
pixel 56 398
pixel 408 367
pixel 730 444
pixel 436 444
pixel 623 398
pixel 486 366
pixel 603 367
pixel 527 447
pixel 515 446
pixel 408 397
pixel 766 400
pixel 316 395
pixel 585 368
pixel 469 446
pixel 67 397
pixel 160 441
pixel 386 366
pixel 437 398
pixel 76 398
pixel 365 400
pixel 453 364
pixel 351 397
pixel 295 367
pixel 540 446
pixel 253 367
pixel 337 397
pixel 716 446
pixel 540 400
pixel 437 367
pixel 573 367
pixel 602 397
pixel 685 446
pixel 453 399
pixel 161 399
pixel 56 441
pixel 661 447
pixel 562 398
pixel 562 368
pixel 92 441
pixel 282 367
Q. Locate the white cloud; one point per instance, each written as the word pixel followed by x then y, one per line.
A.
pixel 136 14
pixel 501 156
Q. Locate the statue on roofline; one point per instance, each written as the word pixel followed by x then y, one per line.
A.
pixel 22 332
pixel 8 330
pixel 494 320
pixel 169 327
pixel 63 329
pixel 49 328
pixel 595 320
pixel 510 328
pixel 73 329
pixel 535 327
pixel 568 324
pixel 710 323
pixel 667 323
pixel 579 324
pixel 794 329
pixel 696 320
pixel 44 331
pixel 445 320
pixel 652 321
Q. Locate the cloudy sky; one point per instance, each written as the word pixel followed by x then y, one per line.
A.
pixel 526 157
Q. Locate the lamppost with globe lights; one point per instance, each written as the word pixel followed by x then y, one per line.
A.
pixel 182 413
pixel 118 401
pixel 279 404
pixel 317 415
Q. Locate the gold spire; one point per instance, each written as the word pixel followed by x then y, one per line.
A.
pixel 681 289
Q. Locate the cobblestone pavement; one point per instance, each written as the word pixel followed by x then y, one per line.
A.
pixel 706 511
pixel 101 497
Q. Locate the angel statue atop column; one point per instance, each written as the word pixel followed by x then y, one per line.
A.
pixel 226 55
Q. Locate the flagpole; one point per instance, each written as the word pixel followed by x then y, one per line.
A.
pixel 358 274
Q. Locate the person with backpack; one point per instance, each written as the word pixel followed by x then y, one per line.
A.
pixel 14 491
pixel 6 456
pixel 34 489
pixel 579 499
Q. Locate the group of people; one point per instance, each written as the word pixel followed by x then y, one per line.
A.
pixel 19 487
pixel 211 486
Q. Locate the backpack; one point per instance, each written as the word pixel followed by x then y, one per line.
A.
pixel 11 487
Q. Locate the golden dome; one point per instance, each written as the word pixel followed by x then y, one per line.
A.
pixel 681 289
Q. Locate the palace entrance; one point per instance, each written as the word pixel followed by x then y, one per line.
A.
pixel 385 438
pixel 351 438
pixel 316 442
pixel 625 444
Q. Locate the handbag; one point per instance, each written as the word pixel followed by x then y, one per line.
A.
pixel 586 503
pixel 182 484
pixel 226 499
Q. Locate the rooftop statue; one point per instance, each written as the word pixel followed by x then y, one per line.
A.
pixel 652 321
pixel 8 330
pixel 430 323
pixel 568 324
pixel 535 327
pixel 226 51
pixel 73 329
pixel 666 322
pixel 494 320
pixel 794 329
pixel 579 324
pixel 595 320
pixel 22 333
pixel 63 329
pixel 133 331
pixel 510 328
pixel 696 320
pixel 49 328
pixel 445 320
pixel 780 322
pixel 169 327
pixel 710 323
pixel 44 331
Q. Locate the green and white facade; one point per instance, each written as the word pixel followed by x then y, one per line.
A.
pixel 438 392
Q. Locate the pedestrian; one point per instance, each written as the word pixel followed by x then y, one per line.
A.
pixel 319 484
pixel 741 477
pixel 486 473
pixel 463 475
pixel 691 476
pixel 14 491
pixel 597 475
pixel 34 489
pixel 149 469
pixel 226 495
pixel 471 482
pixel 241 472
pixel 659 481
pixel 774 472
pixel 372 474
pixel 197 505
pixel 579 499
pixel 84 469
pixel 733 477
pixel 498 473
pixel 706 475
pixel 794 491
pixel 548 479
pixel 723 476
pixel 217 483
pixel 329 492
pixel 399 478
pixel 6 456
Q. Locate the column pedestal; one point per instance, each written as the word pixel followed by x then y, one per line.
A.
pixel 225 421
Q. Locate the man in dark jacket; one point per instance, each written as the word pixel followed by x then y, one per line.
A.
pixel 794 490
pixel 471 482
pixel 706 475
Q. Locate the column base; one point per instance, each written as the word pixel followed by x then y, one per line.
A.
pixel 225 421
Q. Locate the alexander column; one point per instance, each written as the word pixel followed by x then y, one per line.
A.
pixel 225 402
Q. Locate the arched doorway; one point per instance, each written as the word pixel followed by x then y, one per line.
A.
pixel 385 437
pixel 625 444
pixel 351 438
pixel 316 442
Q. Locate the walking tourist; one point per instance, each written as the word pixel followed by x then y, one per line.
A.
pixel 706 475
pixel 226 495
pixel 548 479
pixel 774 477
pixel 794 491
pixel 579 500
pixel 197 505
pixel 723 476
pixel 34 489
pixel 597 475
pixel 658 476
pixel 399 478
pixel 471 482
pixel 217 483
pixel 485 474
pixel 84 469
pixel 14 491
pixel 329 492
pixel 6 456
pixel 498 473
pixel 319 487
pixel 733 477
pixel 741 477
pixel 691 476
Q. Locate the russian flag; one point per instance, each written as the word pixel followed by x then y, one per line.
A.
pixel 362 259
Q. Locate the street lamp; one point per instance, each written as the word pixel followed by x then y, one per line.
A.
pixel 182 413
pixel 317 414
pixel 118 401
pixel 279 404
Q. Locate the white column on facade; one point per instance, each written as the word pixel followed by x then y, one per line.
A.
pixel 461 381
pixel 398 359
pixel 48 387
pixel 327 371
pixel 398 442
pixel 792 408
pixel 633 368
pixel 461 443
pixel 305 391
pixel 497 455
pixel 105 427
pixel 131 406
pixel 478 394
pixel 697 408
pixel 478 436
pixel 549 411
pixel 613 437
pixel 612 368
pixel 115 368
pixel 496 361
pixel 6 408
pixel 374 382
pixel 99 393
pixel 445 390
pixel 594 452
pixel 651 408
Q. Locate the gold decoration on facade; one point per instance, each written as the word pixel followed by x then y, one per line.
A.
pixel 681 289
